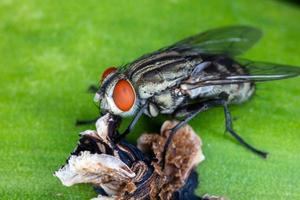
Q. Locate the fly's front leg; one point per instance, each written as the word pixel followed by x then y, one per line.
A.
pixel 86 122
pixel 134 121
pixel 92 89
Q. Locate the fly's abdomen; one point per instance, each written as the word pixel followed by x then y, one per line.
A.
pixel 207 81
pixel 238 93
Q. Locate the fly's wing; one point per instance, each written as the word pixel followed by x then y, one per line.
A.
pixel 232 40
pixel 164 68
pixel 264 71
pixel 243 71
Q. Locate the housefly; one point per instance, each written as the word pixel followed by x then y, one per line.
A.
pixel 189 77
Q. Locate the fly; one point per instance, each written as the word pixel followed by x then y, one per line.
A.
pixel 189 77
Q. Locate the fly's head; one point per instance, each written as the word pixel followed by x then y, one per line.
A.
pixel 116 94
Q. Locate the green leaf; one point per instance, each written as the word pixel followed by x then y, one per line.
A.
pixel 51 51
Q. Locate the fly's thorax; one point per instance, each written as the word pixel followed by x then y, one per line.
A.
pixel 117 95
pixel 165 102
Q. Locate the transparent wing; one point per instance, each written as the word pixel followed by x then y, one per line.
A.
pixel 264 71
pixel 251 71
pixel 232 40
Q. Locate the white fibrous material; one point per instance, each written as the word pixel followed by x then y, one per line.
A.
pixel 100 197
pixel 99 169
pixel 102 128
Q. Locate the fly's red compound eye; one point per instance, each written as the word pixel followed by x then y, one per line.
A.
pixel 124 95
pixel 107 72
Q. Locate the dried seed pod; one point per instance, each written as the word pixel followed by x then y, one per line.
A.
pixel 121 171
pixel 113 168
pixel 183 155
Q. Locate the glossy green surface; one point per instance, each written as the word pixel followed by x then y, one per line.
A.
pixel 51 51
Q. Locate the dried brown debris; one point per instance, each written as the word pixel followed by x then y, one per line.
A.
pixel 120 171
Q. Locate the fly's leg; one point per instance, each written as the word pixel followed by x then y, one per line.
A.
pixel 194 110
pixel 229 128
pixel 86 122
pixel 92 89
pixel 133 122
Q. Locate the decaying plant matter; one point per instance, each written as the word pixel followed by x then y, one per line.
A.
pixel 119 170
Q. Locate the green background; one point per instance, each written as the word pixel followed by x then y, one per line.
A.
pixel 51 51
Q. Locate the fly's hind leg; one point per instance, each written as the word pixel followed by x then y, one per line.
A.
pixel 190 111
pixel 229 128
